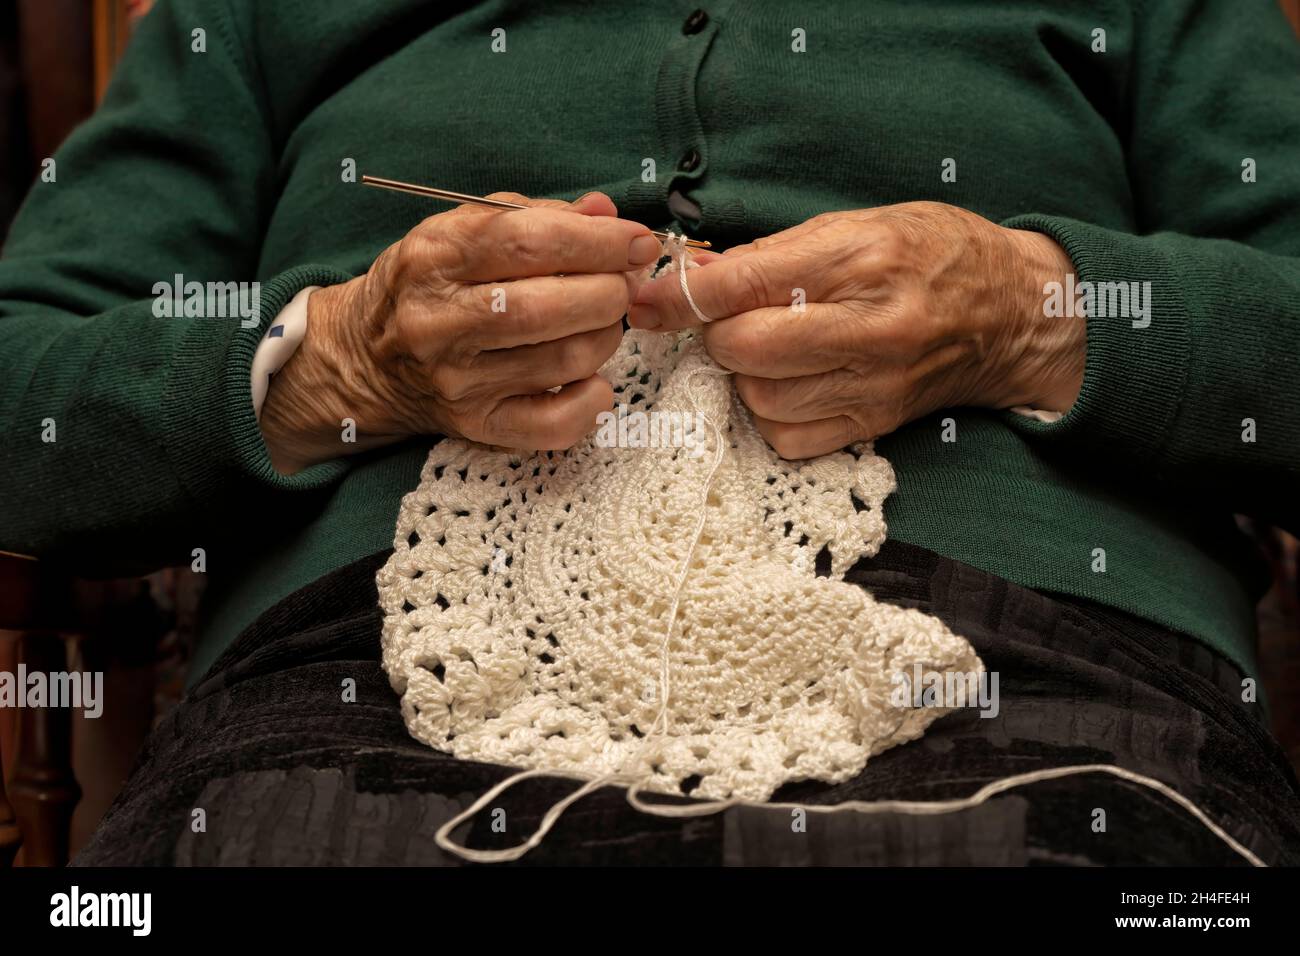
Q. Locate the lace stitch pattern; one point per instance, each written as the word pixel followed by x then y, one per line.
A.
pixel 526 602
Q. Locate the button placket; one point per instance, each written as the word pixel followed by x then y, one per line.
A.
pixel 681 131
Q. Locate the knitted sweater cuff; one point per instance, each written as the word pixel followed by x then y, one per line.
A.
pixel 1138 339
pixel 213 436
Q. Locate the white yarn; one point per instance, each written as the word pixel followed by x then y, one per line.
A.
pixel 907 807
pixel 675 249
pixel 637 616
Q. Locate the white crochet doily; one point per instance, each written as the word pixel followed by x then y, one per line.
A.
pixel 527 602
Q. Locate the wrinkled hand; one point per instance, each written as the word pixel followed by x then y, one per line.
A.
pixel 851 324
pixel 460 329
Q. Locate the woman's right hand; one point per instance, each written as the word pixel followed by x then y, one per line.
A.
pixel 460 329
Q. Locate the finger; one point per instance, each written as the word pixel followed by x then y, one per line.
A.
pixel 594 204
pixel 807 398
pixel 529 311
pixel 642 276
pixel 536 368
pixel 766 242
pixel 540 241
pixel 588 204
pixel 809 439
pixel 551 420
pixel 725 287
pixel 806 229
pixel 703 257
pixel 779 342
pixel 783 242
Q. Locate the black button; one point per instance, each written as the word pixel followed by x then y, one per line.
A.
pixel 690 161
pixel 695 22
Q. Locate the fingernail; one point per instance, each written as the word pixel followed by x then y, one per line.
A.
pixel 581 199
pixel 642 317
pixel 643 251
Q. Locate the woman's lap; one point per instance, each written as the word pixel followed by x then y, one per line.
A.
pixel 289 767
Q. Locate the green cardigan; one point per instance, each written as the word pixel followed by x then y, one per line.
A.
pixel 228 165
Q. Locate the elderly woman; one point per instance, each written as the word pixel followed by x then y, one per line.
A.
pixel 1044 253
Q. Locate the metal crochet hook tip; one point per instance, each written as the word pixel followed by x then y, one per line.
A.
pixel 448 195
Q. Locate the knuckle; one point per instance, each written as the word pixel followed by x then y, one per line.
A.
pixel 760 394
pixel 447 242
pixel 896 242
pixel 408 257
pixel 555 429
pixel 607 342
pixel 931 209
pixel 750 348
pixel 523 307
pixel 749 286
pixel 536 307
pixel 612 295
pixel 527 239
pixel 564 297
pixel 882 246
pixel 460 420
pixel 518 198
pixel 848 231
pixel 785 443
pixel 449 383
pixel 868 426
pixel 879 417
pixel 717 342
pixel 591 351
pixel 847 432
pixel 573 355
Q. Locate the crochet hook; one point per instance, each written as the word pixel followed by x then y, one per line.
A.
pixel 450 196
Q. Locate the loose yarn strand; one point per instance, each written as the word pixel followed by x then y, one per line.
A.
pixel 696 535
pixel 938 807
pixel 906 807
pixel 552 816
pixel 660 725
pixel 675 246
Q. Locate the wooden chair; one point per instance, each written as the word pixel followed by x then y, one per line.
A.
pixel 42 790
pixel 51 622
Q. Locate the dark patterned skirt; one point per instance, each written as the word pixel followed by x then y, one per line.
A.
pixel 287 769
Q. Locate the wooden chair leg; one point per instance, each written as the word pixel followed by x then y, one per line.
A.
pixel 10 836
pixel 42 788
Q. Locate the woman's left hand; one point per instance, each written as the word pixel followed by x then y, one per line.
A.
pixel 851 324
